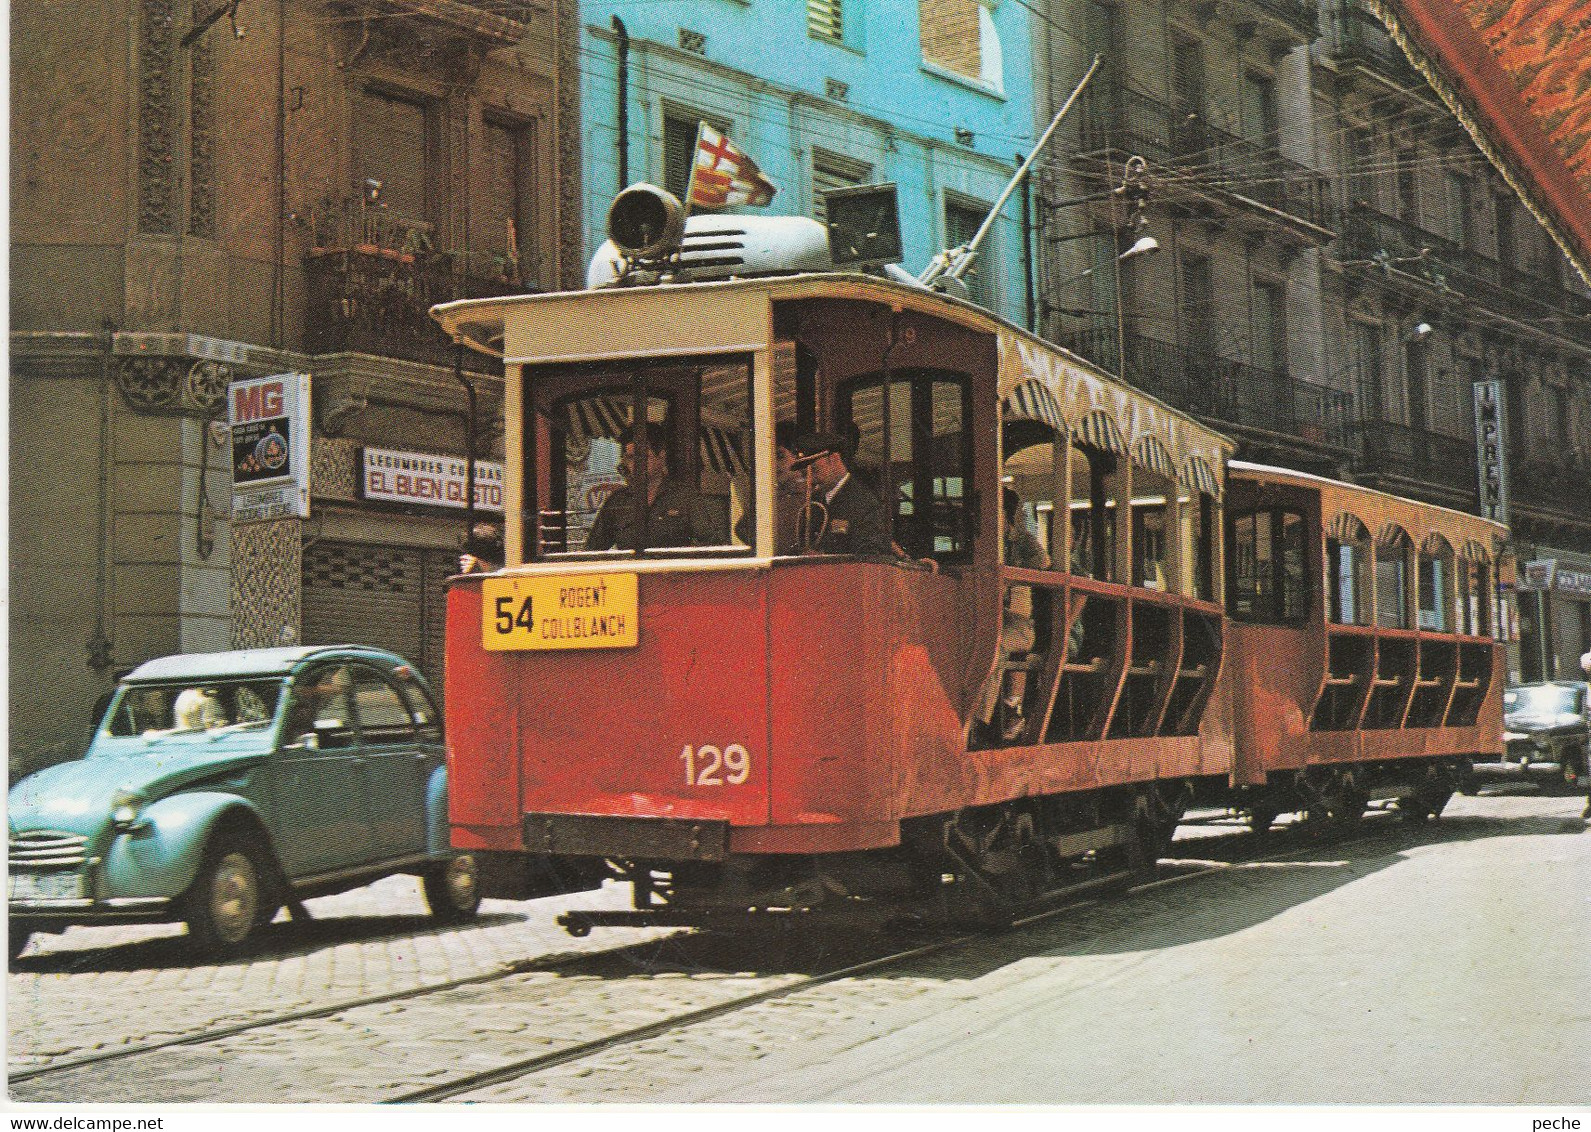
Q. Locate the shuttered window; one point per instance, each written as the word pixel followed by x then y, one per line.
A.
pixel 962 221
pixel 392 146
pixel 679 145
pixel 506 224
pixel 832 171
pixel 826 19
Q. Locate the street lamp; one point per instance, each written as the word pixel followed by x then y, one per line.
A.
pixel 1144 245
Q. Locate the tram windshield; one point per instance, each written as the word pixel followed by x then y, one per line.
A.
pixel 674 432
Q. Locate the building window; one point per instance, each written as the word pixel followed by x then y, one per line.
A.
pixel 963 218
pixel 1270 327
pixel 1187 97
pixel 1408 188
pixel 393 155
pixel 832 171
pixel 1259 108
pixel 826 19
pixel 1361 168
pixel 1198 307
pixel 679 145
pixel 959 36
pixel 1460 204
pixel 1367 370
pixel 1507 254
pixel 505 228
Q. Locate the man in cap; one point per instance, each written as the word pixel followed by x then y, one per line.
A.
pixel 853 519
pixel 674 514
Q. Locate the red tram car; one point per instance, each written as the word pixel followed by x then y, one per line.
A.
pixel 739 731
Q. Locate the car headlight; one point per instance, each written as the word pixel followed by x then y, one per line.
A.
pixel 127 809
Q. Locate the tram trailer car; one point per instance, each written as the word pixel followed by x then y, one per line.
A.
pixel 740 728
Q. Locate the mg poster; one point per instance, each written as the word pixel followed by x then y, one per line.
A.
pixel 269 419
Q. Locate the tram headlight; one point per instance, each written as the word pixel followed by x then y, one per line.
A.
pixel 646 222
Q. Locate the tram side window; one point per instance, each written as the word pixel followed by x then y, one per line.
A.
pixel 1435 598
pixel 1202 517
pixel 923 471
pixel 1268 583
pixel 1474 585
pixel 1347 570
pixel 589 462
pixel 1392 578
pixel 1093 517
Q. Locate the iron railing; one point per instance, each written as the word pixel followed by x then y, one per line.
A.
pixel 1388 448
pixel 1356 36
pixel 1192 154
pixel 376 301
pixel 1370 239
pixel 1222 390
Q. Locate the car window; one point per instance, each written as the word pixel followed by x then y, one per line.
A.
pixel 383 716
pixel 322 708
pixel 426 717
pixel 199 705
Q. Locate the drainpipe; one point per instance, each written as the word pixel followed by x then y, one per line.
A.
pixel 1027 249
pixel 624 101
pixel 469 448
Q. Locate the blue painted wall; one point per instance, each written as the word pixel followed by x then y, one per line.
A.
pixel 762 70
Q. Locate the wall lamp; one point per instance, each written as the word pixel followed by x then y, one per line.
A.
pixel 1142 246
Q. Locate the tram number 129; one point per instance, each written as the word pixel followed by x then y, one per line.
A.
pixel 709 766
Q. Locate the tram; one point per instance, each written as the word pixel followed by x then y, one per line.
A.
pixel 743 728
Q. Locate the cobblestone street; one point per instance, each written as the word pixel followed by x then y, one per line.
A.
pixel 1380 970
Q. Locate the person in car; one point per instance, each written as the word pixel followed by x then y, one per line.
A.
pixel 674 514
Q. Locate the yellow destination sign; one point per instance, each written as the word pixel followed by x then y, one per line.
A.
pixel 569 611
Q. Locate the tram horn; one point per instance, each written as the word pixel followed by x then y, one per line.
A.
pixel 646 222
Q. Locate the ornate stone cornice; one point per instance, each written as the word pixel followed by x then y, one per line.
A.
pixel 173 386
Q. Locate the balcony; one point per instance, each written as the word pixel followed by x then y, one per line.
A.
pixel 1299 18
pixel 1375 241
pixel 1357 38
pixel 484 23
pixel 373 279
pixel 1201 159
pixel 1223 391
pixel 1416 454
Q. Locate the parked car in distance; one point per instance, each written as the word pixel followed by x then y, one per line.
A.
pixel 1546 735
pixel 220 786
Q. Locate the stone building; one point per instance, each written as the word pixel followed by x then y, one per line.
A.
pixel 207 192
pixel 1338 266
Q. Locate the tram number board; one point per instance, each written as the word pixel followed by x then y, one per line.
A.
pixel 567 611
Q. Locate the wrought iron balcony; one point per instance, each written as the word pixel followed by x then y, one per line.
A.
pixel 490 23
pixel 1373 240
pixel 375 300
pixel 1390 449
pixel 1200 157
pixel 1357 37
pixel 1558 485
pixel 1302 16
pixel 1221 390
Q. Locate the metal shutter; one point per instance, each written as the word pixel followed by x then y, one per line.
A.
pixel 390 136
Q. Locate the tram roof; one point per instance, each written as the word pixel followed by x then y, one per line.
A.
pixel 1377 509
pixel 481 323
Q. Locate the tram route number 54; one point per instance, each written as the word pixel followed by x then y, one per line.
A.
pixel 708 766
pixel 507 618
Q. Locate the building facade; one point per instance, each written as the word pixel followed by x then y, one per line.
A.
pixel 203 193
pixel 933 96
pixel 1338 267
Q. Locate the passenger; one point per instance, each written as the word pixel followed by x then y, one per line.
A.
pixel 853 519
pixel 674 515
pixel 483 550
pixel 198 709
pixel 790 491
pixel 1024 551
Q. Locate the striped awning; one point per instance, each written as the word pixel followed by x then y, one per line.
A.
pixel 1150 453
pixel 608 417
pixel 1347 528
pixel 1034 401
pixel 1393 535
pixel 1436 546
pixel 1475 551
pixel 1197 475
pixel 1100 430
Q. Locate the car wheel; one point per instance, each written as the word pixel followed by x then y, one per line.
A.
pixel 223 906
pixel 453 889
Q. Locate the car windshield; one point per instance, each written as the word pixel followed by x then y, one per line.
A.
pixel 196 706
pixel 1544 699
